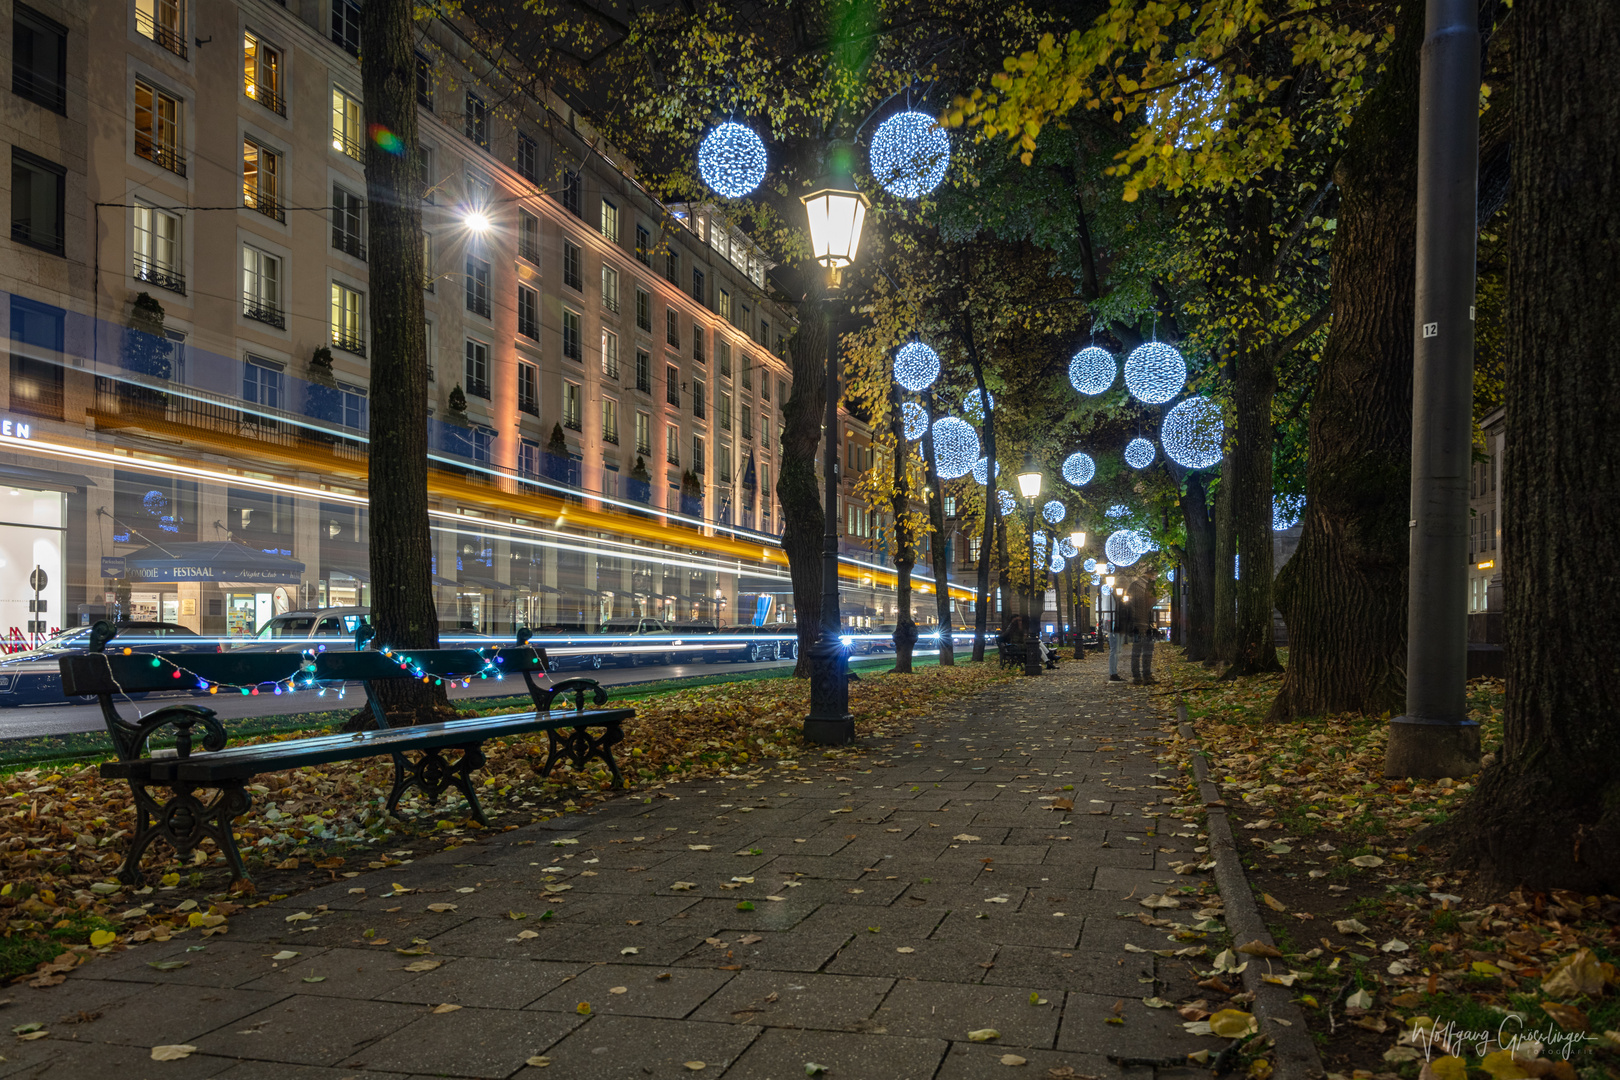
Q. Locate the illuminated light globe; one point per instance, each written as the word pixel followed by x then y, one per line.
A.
pixel 731 160
pixel 1155 373
pixel 956 447
pixel 916 366
pixel 1090 566
pixel 1005 500
pixel 1109 568
pixel 1078 469
pixel 1067 549
pixel 1058 563
pixel 1117 511
pixel 1054 512
pixel 1285 511
pixel 1121 547
pixel 909 154
pixel 1144 543
pixel 1093 370
pixel 1189 104
pixel 1192 432
pixel 1042 546
pixel 1096 579
pixel 1139 453
pixel 981 470
pixel 915 420
pixel 973 404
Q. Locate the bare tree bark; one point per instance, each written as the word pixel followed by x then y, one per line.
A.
pixel 1199 566
pixel 905 555
pixel 1223 636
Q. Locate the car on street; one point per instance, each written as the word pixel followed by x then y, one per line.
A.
pixel 34 678
pixel 692 633
pixel 292 631
pixel 759 643
pixel 638 637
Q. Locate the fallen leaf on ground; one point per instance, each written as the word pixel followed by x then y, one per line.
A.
pixel 1367 861
pixel 1231 1023
pixel 1013 1059
pixel 539 1061
pixel 983 1035
pixel 1350 927
pixel 1575 975
pixel 446 1008
pixel 1259 948
pixel 441 908
pixel 173 1052
pixel 1272 902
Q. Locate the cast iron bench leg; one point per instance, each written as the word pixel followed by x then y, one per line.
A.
pixel 184 822
pixel 580 747
pixel 434 775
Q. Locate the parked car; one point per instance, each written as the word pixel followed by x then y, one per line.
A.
pixel 787 640
pixel 686 631
pixel 763 645
pixel 547 637
pixel 635 653
pixel 33 677
pixel 329 628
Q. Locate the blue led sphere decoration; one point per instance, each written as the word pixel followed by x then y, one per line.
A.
pixel 909 154
pixel 973 403
pixel 731 160
pixel 1042 546
pixel 1109 568
pixel 1121 547
pixel 1005 500
pixel 1117 511
pixel 1093 370
pixel 1066 548
pixel 1058 563
pixel 1189 105
pixel 1078 469
pixel 1155 373
pixel 1054 512
pixel 1286 511
pixel 915 420
pixel 1090 566
pixel 1144 542
pixel 916 366
pixel 1096 579
pixel 1192 432
pixel 981 470
pixel 956 447
pixel 1139 453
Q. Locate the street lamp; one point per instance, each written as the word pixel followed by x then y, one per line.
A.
pixel 835 212
pixel 1029 486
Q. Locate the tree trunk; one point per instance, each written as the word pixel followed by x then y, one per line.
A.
pixel 1199 566
pixel 1343 593
pixel 1547 814
pixel 1003 575
pixel 981 607
pixel 937 549
pixel 1223 636
pixel 797 487
pixel 905 556
pixel 401 549
pixel 1254 644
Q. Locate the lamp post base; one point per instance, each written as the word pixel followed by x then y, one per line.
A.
pixel 1431 749
pixel 1032 656
pixel 829 722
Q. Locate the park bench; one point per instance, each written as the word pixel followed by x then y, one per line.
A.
pixel 184 820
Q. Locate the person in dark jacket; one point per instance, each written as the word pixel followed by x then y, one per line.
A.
pixel 1141 594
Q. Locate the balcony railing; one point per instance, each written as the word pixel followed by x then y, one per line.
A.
pixel 349 341
pixel 37 397
pixel 347 143
pixel 119 398
pixel 610 437
pixel 529 405
pixel 478 388
pixel 172 40
pixel 260 310
pixel 23 232
pixel 165 157
pixel 478 304
pixel 164 277
pixel 264 204
pixel 349 243
pixel 610 303
pixel 266 96
pixel 571 423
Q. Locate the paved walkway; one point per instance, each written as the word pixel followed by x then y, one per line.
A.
pixel 864 914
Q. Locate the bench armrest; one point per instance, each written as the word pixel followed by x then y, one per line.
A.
pixel 545 695
pixel 130 739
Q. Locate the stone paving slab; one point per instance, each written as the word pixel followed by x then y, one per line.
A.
pixel 863 911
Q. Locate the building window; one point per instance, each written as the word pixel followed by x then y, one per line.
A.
pixel 745 319
pixel 528 459
pixel 672 328
pixel 672 266
pixel 764 429
pixel 572 195
pixel 571 405
pixel 261 180
pixel 747 421
pixel 697 399
pixel 476 369
pixel 261 287
pixel 430 176
pixel 765 333
pixel 428 275
pixel 722 355
pixel 157 248
pixel 781 389
pixel 610 289
pixel 724 462
pixel 765 495
pixel 672 444
pixel 348 225
pixel 478 285
pixel 571 276
pixel 644 310
pixel 262 382
pixel 571 341
pixel 346 26
pixel 698 463
pixel 38 58
pixel 261 73
pixel 643 433
pixel 528 157
pixel 157 128
pixel 347 121
pixel 610 421
pixel 528 237
pixel 610 355
pixel 348 329
pixel 672 384
pixel 424 82
pixel 643 371
pixel 698 292
pixel 36 381
pixel 477 126
pixel 38 193
pixel 528 307
pixel 725 305
pixel 697 343
pixel 643 245
pixel 528 388
pixel 765 384
pixel 164 22
pixel 356 407
pixel 723 411
pixel 747 372
pixel 610 221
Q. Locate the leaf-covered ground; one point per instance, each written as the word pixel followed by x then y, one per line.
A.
pixel 1405 967
pixel 62 830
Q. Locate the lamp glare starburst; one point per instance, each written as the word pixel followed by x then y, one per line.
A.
pixel 915 420
pixel 956 447
pixel 981 470
pixel 731 160
pixel 909 154
pixel 1192 432
pixel 1155 373
pixel 1078 469
pixel 1139 453
pixel 1054 512
pixel 916 366
pixel 1093 370
pixel 1121 547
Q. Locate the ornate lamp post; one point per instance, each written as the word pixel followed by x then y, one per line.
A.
pixel 836 212
pixel 1029 486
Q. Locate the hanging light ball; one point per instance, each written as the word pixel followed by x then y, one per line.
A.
pixel 909 154
pixel 1139 453
pixel 956 447
pixel 916 366
pixel 1066 548
pixel 1144 542
pixel 1005 500
pixel 1093 370
pixel 1109 568
pixel 1121 547
pixel 973 403
pixel 1054 512
pixel 1096 579
pixel 1192 432
pixel 915 420
pixel 1155 373
pixel 1286 511
pixel 731 160
pixel 981 470
pixel 1090 566
pixel 1078 469
pixel 1059 564
pixel 1042 546
pixel 1117 511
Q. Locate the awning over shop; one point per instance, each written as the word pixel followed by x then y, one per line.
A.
pixel 485 583
pixel 216 563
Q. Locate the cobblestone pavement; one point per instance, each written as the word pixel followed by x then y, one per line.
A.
pixel 863 913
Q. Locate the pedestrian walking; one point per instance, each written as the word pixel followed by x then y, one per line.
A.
pixel 1141 594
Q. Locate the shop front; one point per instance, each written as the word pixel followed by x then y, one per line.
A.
pixel 211 588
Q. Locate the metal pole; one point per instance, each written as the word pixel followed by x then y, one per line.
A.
pixel 830 722
pixel 1435 738
pixel 1032 633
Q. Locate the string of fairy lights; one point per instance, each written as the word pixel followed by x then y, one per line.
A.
pixel 304 677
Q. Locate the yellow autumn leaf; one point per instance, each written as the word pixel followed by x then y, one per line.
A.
pixel 1232 1023
pixel 1502 1066
pixel 1449 1067
pixel 100 939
